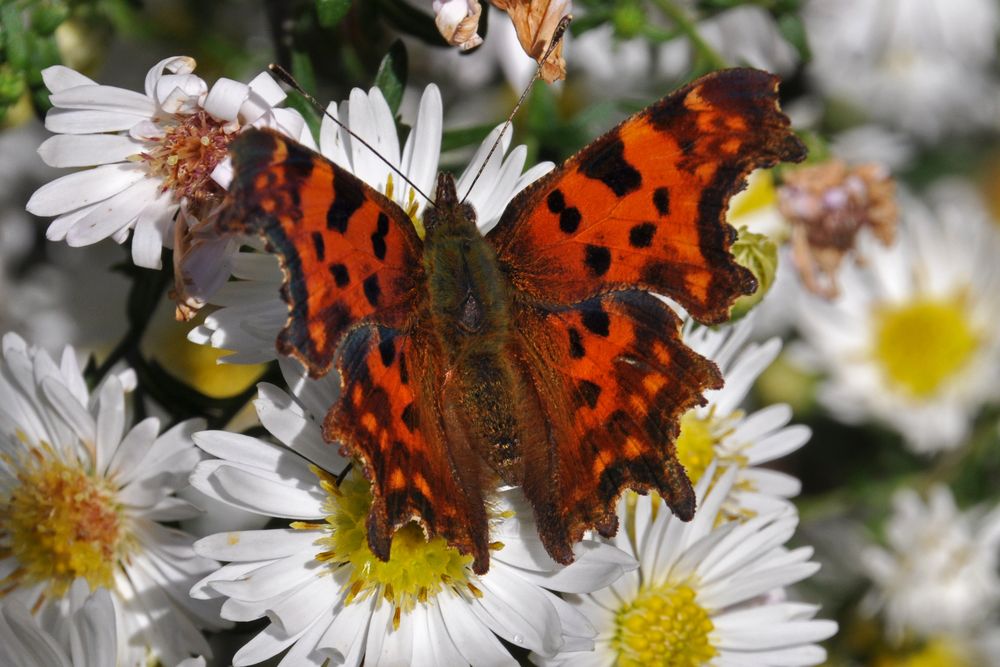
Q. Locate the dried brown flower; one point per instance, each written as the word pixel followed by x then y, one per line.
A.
pixel 458 21
pixel 535 22
pixel 827 205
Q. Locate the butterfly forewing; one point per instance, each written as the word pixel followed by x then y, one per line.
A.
pixel 644 206
pixel 349 254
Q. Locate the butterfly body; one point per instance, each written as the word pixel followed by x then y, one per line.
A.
pixel 469 312
pixel 535 355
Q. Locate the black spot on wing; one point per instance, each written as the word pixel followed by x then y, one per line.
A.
pixel 597 321
pixel 404 374
pixel 341 276
pixel 556 201
pixel 569 219
pixel 641 235
pixel 347 199
pixel 378 237
pixel 609 166
pixel 372 290
pixel 597 259
pixel 319 245
pixel 590 392
pixel 409 417
pixel 661 200
pixel 576 350
pixel 387 350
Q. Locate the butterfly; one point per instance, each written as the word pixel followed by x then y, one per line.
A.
pixel 536 355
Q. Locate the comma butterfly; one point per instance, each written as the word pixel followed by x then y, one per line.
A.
pixel 536 355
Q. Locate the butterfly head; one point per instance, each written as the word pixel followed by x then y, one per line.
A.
pixel 448 211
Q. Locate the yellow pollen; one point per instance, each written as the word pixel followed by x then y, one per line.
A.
pixel 61 524
pixel 663 627
pixel 417 569
pixel 923 344
pixel 185 156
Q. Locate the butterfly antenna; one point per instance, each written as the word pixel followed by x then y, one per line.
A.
pixel 557 36
pixel 283 74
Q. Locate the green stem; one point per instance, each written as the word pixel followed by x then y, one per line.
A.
pixel 688 27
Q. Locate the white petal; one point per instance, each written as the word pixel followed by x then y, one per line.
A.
pixel 258 493
pixel 110 421
pixel 83 188
pixel 88 121
pixel 255 544
pixel 70 150
pixel 225 99
pixel 280 415
pixel 472 638
pixel 264 94
pixel 59 77
pixel 113 215
pixel 35 647
pixel 518 611
pixel 173 64
pixel 94 638
pixel 152 231
pixel 104 98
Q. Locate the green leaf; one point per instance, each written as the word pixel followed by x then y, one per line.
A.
pixel 330 12
pixel 391 76
pixel 409 20
pixel 15 36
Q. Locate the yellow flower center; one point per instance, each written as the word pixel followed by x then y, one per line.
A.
pixel 410 208
pixel 759 195
pixel 935 653
pixel 62 523
pixel 663 627
pixel 695 444
pixel 187 154
pixel 923 344
pixel 417 568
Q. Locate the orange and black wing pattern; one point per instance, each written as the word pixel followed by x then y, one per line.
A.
pixel 613 378
pixel 390 418
pixel 644 206
pixel 349 254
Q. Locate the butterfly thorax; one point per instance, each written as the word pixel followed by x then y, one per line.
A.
pixel 470 313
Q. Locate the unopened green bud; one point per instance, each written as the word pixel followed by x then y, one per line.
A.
pixel 628 20
pixel 758 253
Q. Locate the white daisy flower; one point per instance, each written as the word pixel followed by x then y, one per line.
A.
pixel 938 574
pixel 921 65
pixel 912 339
pixel 705 593
pixel 722 432
pixel 153 153
pixel 83 497
pixel 251 312
pixel 85 638
pixel 329 598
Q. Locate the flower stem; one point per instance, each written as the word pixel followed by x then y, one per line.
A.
pixel 712 58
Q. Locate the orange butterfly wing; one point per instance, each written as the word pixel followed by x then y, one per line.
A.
pixel 353 273
pixel 349 254
pixel 644 206
pixel 391 417
pixel 613 378
pixel 641 208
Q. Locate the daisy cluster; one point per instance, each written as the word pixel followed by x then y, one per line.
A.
pixel 168 493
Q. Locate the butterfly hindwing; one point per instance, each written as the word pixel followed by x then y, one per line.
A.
pixel 349 254
pixel 390 418
pixel 613 378
pixel 643 207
